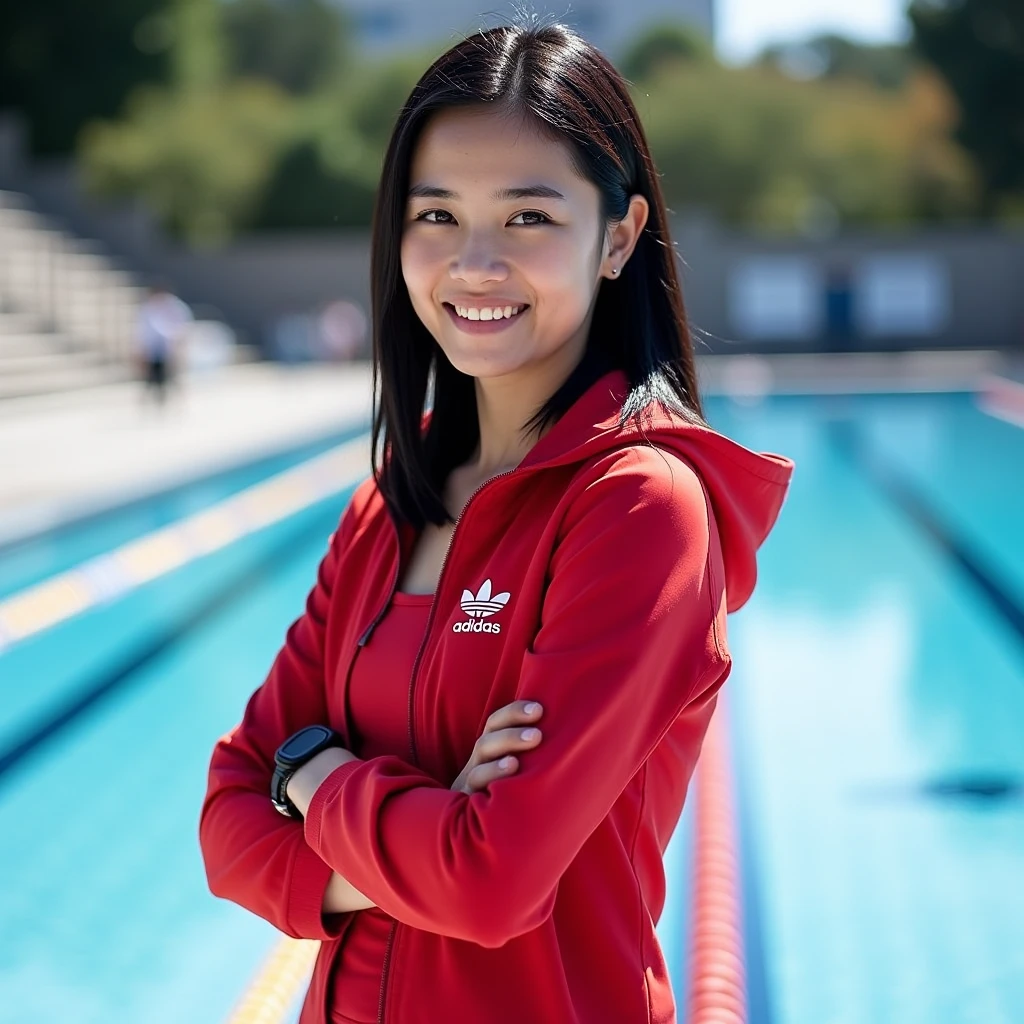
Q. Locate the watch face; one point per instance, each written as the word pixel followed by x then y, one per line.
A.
pixel 304 742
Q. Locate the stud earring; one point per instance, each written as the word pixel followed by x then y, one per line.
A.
pixel 615 270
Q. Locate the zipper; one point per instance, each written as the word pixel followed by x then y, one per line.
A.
pixel 364 639
pixel 412 690
pixel 384 974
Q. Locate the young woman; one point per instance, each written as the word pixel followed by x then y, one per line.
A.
pixel 562 529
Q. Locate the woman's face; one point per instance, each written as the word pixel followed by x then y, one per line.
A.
pixel 498 219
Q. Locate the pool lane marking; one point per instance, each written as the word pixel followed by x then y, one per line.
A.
pixel 47 729
pixel 277 983
pixel 1002 398
pixel 110 576
pixel 717 970
pixel 917 509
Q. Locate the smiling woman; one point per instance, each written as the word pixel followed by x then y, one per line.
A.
pixel 482 252
pixel 561 535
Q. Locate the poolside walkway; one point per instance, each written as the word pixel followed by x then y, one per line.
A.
pixel 66 455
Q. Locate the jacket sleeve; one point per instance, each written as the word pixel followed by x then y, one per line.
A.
pixel 253 855
pixel 627 642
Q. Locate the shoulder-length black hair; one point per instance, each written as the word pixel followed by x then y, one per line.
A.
pixel 567 88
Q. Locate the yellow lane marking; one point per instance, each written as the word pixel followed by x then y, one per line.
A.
pixel 277 983
pixel 111 576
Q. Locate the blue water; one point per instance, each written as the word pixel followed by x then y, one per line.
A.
pixel 868 668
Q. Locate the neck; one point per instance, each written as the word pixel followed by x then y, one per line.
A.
pixel 504 404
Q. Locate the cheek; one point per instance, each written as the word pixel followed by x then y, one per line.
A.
pixel 563 272
pixel 420 264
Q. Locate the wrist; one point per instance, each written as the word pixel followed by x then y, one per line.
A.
pixel 291 757
pixel 302 786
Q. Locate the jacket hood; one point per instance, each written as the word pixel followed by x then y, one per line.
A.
pixel 746 488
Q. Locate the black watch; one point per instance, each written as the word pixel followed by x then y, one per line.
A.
pixel 299 748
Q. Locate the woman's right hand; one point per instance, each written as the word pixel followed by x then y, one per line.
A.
pixel 494 755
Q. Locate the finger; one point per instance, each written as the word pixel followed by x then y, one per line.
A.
pixel 484 774
pixel 493 745
pixel 514 713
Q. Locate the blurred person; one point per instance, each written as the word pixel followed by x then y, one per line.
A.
pixel 342 330
pixel 555 542
pixel 163 319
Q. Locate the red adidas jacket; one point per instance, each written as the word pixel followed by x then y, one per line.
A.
pixel 535 900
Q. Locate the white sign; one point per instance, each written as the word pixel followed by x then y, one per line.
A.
pixel 776 298
pixel 899 294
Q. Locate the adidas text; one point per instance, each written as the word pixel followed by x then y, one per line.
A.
pixel 476 626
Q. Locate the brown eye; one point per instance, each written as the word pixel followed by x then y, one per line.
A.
pixel 544 219
pixel 426 214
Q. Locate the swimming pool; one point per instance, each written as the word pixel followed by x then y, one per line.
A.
pixel 877 711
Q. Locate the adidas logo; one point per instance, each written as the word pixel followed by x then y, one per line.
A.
pixel 480 606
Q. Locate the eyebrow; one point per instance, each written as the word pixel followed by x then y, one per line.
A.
pixel 500 195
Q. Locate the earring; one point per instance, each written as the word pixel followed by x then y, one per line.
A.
pixel 615 270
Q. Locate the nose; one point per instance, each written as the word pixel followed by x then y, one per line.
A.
pixel 478 262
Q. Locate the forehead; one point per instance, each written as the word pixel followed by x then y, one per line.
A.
pixel 480 145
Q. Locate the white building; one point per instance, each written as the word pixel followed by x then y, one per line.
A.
pixel 383 25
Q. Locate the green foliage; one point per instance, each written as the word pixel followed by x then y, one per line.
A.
pixel 978 48
pixel 760 149
pixel 242 140
pixel 63 62
pixel 662 46
pixel 303 192
pixel 299 44
pixel 198 158
pixel 329 177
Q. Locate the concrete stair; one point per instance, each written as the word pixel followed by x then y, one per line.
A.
pixel 67 313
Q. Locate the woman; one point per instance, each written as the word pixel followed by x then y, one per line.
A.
pixel 563 528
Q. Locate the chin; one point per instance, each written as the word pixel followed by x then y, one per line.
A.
pixel 480 365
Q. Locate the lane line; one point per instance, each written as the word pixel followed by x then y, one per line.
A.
pixel 276 984
pixel 51 725
pixel 111 576
pixel 928 521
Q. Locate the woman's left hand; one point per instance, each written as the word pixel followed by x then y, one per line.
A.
pixel 306 781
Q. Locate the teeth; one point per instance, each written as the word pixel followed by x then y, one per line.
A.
pixel 487 313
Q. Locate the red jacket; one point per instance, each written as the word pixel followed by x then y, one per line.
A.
pixel 610 566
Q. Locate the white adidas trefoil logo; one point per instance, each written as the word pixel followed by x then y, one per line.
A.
pixel 481 605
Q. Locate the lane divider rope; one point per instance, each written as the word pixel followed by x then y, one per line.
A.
pixel 717 981
pixel 111 576
pixel 1002 398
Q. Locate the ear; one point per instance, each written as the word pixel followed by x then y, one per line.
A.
pixel 621 238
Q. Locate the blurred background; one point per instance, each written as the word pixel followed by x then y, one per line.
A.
pixel 185 194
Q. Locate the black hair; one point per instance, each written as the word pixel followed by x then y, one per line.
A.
pixel 568 89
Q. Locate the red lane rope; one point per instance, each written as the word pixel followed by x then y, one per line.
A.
pixel 717 988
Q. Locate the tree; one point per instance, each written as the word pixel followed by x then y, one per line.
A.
pixel 663 45
pixel 299 44
pixel 64 62
pixel 199 159
pixel 978 47
pixel 771 152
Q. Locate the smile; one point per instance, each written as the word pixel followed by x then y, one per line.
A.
pixel 484 320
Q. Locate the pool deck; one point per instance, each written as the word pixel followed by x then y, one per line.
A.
pixel 66 455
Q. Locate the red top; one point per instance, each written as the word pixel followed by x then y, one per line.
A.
pixel 379 713
pixel 595 579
